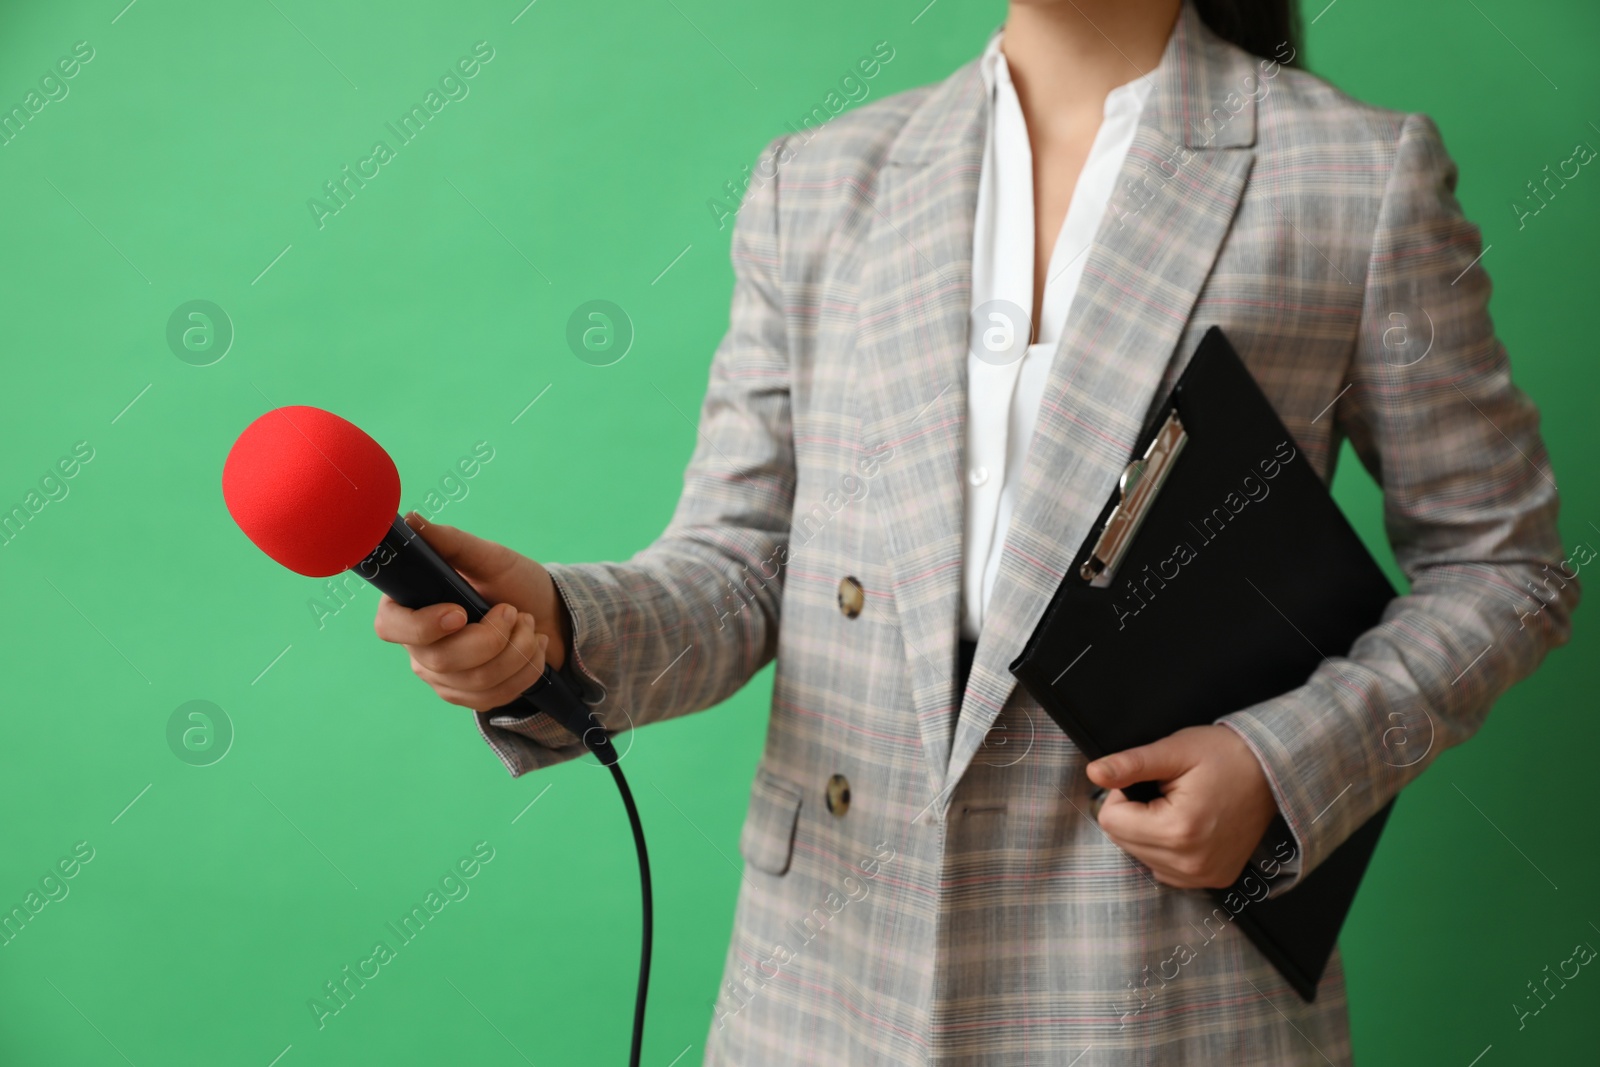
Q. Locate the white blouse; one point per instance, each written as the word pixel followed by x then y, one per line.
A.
pixel 1005 374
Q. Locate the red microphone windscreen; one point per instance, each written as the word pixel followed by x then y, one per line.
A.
pixel 312 490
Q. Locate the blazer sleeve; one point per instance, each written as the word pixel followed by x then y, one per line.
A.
pixel 688 620
pixel 1469 507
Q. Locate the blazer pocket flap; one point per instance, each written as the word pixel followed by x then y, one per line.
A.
pixel 767 840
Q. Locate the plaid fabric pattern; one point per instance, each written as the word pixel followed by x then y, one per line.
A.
pixel 966 909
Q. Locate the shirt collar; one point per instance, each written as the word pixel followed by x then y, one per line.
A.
pixel 1130 95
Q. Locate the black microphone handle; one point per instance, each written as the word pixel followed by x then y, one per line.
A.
pixel 413 575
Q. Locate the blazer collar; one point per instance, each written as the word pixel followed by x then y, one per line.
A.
pixel 1139 284
pixel 1189 102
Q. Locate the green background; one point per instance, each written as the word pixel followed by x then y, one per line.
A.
pixel 431 310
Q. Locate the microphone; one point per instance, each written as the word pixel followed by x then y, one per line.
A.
pixel 318 495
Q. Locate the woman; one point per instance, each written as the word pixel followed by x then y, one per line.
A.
pixel 953 311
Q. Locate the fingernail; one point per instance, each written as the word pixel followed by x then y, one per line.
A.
pixel 544 643
pixel 453 620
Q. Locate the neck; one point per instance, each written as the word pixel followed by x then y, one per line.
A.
pixel 1065 56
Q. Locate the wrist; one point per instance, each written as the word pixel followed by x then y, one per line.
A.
pixel 553 619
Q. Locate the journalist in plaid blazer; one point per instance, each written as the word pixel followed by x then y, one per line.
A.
pixel 925 881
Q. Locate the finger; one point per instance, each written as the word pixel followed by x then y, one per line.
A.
pixel 471 555
pixel 1160 863
pixel 1157 762
pixel 1172 870
pixel 523 657
pixel 1155 824
pixel 477 701
pixel 462 698
pixel 1182 870
pixel 1172 866
pixel 470 647
pixel 470 695
pixel 402 626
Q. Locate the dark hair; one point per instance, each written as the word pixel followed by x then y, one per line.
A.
pixel 1266 28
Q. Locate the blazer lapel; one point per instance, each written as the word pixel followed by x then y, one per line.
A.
pixel 1175 199
pixel 916 284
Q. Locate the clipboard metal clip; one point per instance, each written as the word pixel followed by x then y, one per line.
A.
pixel 1140 482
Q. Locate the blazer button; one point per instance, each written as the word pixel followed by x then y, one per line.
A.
pixel 838 794
pixel 851 597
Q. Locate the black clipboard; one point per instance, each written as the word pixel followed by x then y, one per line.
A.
pixel 1218 575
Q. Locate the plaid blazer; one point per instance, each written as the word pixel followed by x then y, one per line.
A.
pixel 925 883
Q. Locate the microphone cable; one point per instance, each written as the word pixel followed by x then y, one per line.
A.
pixel 551 695
pixel 646 932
